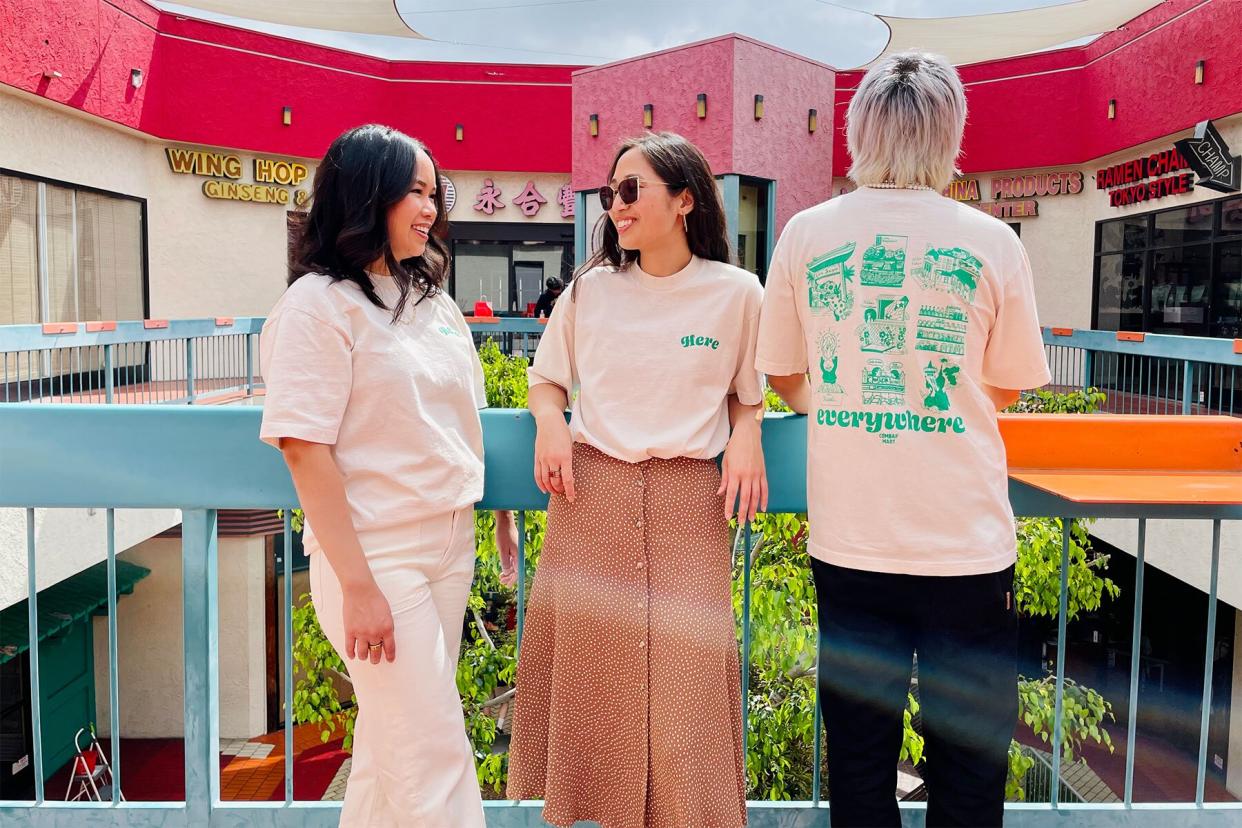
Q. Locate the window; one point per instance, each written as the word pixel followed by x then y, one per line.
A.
pixel 1176 271
pixel 507 264
pixel 68 254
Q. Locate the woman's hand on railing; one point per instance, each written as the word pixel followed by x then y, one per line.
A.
pixel 507 547
pixel 743 476
pixel 368 621
pixel 554 445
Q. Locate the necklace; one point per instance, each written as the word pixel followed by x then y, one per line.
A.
pixel 888 185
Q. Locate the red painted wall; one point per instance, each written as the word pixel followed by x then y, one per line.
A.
pixel 210 84
pixel 1051 109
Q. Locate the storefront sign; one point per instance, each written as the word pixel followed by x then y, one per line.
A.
pixel 530 200
pixel 1209 156
pixel 1022 208
pixel 963 189
pixel 1014 195
pixel 450 193
pixel 1068 182
pixel 272 177
pixel 488 200
pixel 1127 181
pixel 565 197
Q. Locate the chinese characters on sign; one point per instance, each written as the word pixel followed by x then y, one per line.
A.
pixel 565 196
pixel 488 199
pixel 530 200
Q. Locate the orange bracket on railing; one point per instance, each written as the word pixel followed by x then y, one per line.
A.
pixel 99 327
pixel 1130 336
pixel 1062 331
pixel 151 324
pixel 1237 346
pixel 543 320
pixel 53 328
pixel 484 320
pixel 224 321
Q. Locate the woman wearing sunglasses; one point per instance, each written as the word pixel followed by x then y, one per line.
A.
pixel 628 709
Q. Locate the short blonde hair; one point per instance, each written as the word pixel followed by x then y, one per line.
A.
pixel 904 124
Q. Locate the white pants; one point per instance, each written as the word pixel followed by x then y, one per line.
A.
pixel 413 764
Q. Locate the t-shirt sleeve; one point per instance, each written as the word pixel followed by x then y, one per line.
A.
pixel 1014 357
pixel 747 380
pixel 307 371
pixel 780 349
pixel 554 358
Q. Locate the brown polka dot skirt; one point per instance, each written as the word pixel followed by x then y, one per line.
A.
pixel 628 709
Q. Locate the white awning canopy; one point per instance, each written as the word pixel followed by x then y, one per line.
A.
pixel 976 38
pixel 370 17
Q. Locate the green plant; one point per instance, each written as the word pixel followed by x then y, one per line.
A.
pixel 1040 401
pixel 319 668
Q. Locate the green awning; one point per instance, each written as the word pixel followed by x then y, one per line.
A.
pixel 63 604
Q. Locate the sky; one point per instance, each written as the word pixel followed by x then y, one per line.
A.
pixel 841 33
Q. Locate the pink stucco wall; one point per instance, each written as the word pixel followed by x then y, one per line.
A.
pixel 779 147
pixel 731 70
pixel 671 81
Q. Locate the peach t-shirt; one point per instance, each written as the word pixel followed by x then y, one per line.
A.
pixel 398 403
pixel 654 359
pixel 902 304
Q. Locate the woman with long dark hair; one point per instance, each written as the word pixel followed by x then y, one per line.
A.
pixel 628 707
pixel 373 391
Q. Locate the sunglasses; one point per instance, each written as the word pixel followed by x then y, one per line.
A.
pixel 628 190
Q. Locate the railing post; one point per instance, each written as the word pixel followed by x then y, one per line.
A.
pixel 1187 385
pixel 1088 364
pixel 1059 708
pixel 189 371
pixel 1208 658
pixel 114 679
pixel 250 365
pixel 108 368
pixel 746 544
pixel 32 622
pixel 1135 654
pixel 200 587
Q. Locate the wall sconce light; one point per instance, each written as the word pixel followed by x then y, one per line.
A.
pixel 461 132
pixel 701 105
pixel 812 120
pixel 51 74
pixel 1112 108
pixel 758 107
pixel 286 116
pixel 594 126
pixel 1199 72
pixel 648 115
pixel 135 78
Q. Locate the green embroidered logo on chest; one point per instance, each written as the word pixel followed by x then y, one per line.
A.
pixel 447 331
pixel 692 341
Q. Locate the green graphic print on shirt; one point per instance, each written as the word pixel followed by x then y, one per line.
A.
pixel 938 332
pixel 828 282
pixel 884 263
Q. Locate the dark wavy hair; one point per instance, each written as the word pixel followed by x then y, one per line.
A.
pixel 365 171
pixel 680 164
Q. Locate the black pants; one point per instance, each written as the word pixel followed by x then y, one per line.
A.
pixel 964 629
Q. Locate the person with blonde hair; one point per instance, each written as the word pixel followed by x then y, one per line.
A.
pixel 916 316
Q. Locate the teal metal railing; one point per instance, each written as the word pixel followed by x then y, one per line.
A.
pixel 1149 373
pixel 162 361
pixel 201 360
pixel 200 459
